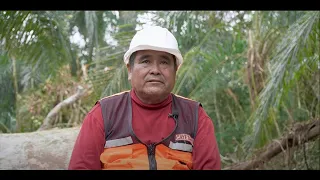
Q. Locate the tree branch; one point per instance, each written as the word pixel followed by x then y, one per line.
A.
pixel 47 123
pixel 299 134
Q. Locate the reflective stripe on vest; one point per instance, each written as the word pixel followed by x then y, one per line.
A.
pixel 181 146
pixel 128 140
pixel 118 142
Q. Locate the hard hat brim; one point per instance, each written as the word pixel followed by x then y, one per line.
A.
pixel 174 52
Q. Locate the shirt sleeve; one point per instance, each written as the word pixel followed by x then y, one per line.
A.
pixel 206 154
pixel 89 143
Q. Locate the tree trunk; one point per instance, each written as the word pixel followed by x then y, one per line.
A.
pixel 51 149
pixel 48 149
pixel 16 91
pixel 255 70
pixel 300 133
pixel 47 123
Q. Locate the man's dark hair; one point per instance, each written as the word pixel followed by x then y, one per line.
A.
pixel 133 55
pixel 131 59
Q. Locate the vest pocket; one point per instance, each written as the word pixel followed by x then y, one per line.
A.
pixel 180 166
pixel 168 158
pixel 170 164
pixel 125 157
pixel 182 161
pixel 116 158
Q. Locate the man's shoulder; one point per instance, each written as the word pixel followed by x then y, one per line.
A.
pixel 105 99
pixel 185 98
pixel 113 96
pixel 94 109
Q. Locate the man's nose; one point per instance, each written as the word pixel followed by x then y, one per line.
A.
pixel 155 69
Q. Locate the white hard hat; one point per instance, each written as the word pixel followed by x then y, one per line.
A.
pixel 154 38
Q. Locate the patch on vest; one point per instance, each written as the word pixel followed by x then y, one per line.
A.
pixel 184 137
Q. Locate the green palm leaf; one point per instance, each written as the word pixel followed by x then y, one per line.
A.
pixel 111 75
pixel 285 66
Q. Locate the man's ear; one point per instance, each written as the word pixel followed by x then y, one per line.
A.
pixel 129 71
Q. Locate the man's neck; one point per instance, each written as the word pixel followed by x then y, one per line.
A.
pixel 147 99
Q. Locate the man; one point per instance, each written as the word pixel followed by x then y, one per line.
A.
pixel 148 127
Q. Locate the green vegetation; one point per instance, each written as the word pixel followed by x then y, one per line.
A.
pixel 255 73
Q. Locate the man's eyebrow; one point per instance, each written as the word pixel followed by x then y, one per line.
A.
pixel 166 57
pixel 144 56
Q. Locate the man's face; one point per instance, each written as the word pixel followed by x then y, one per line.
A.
pixel 152 75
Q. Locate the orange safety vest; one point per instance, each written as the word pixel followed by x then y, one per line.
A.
pixel 123 150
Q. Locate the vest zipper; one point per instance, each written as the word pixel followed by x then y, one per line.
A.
pixel 152 147
pixel 152 156
pixel 151 153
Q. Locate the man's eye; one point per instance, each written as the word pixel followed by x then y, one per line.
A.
pixel 145 61
pixel 164 62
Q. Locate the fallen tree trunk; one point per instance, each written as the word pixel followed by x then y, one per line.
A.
pixel 51 149
pixel 300 133
pixel 47 123
pixel 48 149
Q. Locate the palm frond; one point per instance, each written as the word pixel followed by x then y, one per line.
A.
pixel 202 61
pixel 7 95
pixel 36 35
pixel 284 66
pixel 111 75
